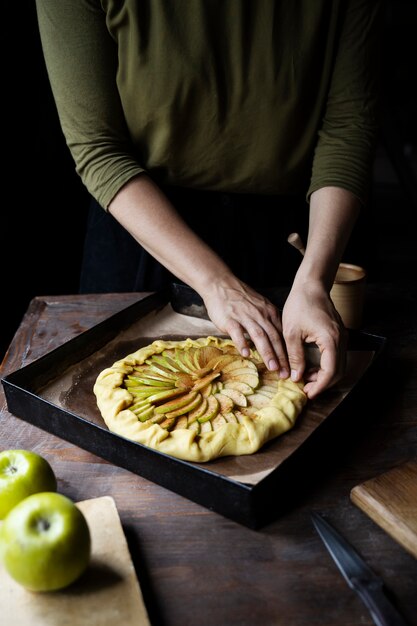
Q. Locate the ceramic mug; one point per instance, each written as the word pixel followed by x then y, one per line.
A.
pixel 348 294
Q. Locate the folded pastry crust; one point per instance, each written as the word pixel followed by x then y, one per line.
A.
pixel 197 399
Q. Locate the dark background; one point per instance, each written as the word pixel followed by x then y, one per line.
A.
pixel 45 204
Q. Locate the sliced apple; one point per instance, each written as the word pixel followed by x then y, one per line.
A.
pixel 195 426
pixel 239 363
pixel 226 403
pixel 198 412
pixel 240 386
pixel 154 382
pixel 258 400
pixel 271 388
pixel 176 403
pixel 189 360
pixel 186 408
pixel 207 391
pixel 141 395
pixel 156 419
pixel 230 417
pixel 243 376
pixel 179 359
pixel 218 421
pixel 170 360
pixel 264 392
pixel 141 404
pixel 161 370
pixel 166 362
pixel 219 362
pixel 182 422
pixel 206 427
pixel 168 424
pixel 184 381
pixel 203 382
pixel 204 354
pixel 213 408
pixel 165 395
pixel 238 398
pixel 145 414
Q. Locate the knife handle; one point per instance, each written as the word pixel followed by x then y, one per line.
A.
pixel 382 610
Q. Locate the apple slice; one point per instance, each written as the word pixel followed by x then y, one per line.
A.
pixel 263 392
pixel 240 386
pixel 258 400
pixel 164 361
pixel 179 359
pixel 230 417
pixel 207 391
pixel 170 360
pixel 206 427
pixel 142 404
pixel 188 407
pixel 213 408
pixel 165 395
pixel 243 376
pixel 238 398
pixel 218 421
pixel 195 426
pixel 182 422
pixel 203 382
pixel 168 424
pixel 154 382
pixel 198 412
pixel 161 370
pixel 271 388
pixel 226 403
pixel 204 354
pixel 141 395
pixel 176 403
pixel 156 419
pixel 145 414
pixel 219 362
pixel 239 363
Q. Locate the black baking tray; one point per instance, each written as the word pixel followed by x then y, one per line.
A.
pixel 251 505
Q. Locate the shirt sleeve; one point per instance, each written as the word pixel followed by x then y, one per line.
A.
pixel 347 138
pixel 81 59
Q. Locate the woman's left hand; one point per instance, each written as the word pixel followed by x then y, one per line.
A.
pixel 309 316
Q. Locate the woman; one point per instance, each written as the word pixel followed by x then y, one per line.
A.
pixel 167 104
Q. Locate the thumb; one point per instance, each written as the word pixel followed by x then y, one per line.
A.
pixel 296 357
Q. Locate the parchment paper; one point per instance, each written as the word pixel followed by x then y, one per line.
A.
pixel 73 391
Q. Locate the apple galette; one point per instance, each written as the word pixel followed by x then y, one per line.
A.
pixel 197 399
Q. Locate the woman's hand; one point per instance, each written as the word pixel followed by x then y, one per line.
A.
pixel 245 315
pixel 309 316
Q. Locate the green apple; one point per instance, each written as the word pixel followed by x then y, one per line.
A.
pixel 45 542
pixel 22 473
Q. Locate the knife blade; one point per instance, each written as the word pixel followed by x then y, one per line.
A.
pixel 358 575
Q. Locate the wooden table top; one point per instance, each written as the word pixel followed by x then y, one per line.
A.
pixel 197 567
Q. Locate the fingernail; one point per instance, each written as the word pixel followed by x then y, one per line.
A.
pixel 272 365
pixel 245 352
pixel 283 373
pixel 294 375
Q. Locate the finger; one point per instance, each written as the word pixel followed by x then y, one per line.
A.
pixel 270 345
pixel 326 375
pixel 296 356
pixel 237 335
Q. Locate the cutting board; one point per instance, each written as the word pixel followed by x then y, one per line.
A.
pixel 108 593
pixel 391 501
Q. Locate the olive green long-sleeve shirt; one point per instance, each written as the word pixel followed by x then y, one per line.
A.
pixel 253 96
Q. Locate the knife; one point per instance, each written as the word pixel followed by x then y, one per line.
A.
pixel 358 575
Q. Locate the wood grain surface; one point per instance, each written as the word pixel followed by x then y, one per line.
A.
pixel 391 501
pixel 196 567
